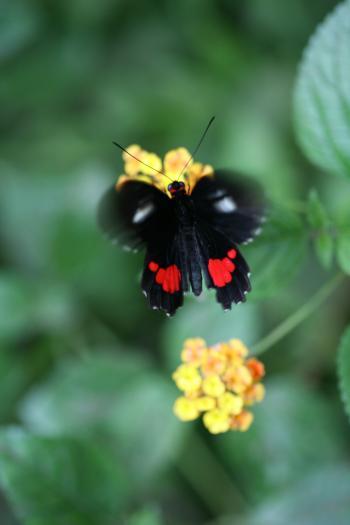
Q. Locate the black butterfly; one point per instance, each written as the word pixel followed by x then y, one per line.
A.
pixel 190 227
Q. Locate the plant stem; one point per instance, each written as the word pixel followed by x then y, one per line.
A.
pixel 297 317
pixel 208 478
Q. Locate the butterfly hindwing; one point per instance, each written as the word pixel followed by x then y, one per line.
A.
pixel 223 266
pixel 162 279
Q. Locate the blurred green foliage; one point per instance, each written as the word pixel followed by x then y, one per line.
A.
pixel 87 432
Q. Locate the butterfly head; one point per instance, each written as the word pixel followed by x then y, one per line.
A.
pixel 176 189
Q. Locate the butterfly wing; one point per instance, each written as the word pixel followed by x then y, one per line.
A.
pixel 232 207
pixel 162 278
pixel 138 216
pixel 223 266
pixel 227 215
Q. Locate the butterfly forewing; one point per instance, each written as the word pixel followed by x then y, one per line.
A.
pixel 137 215
pixel 234 208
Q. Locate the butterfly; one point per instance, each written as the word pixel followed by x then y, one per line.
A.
pixel 189 218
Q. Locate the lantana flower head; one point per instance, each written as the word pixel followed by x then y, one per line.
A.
pixel 218 383
pixel 143 166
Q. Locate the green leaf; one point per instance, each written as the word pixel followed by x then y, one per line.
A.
pixel 277 254
pixel 64 240
pixel 13 379
pixel 324 248
pixel 344 369
pixel 322 96
pixel 14 36
pixel 316 213
pixel 26 306
pixel 55 480
pixel 294 431
pixel 321 498
pixel 343 251
pixel 114 396
pixel 14 306
pixel 147 516
pixel 320 223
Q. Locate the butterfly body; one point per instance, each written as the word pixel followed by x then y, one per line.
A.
pixel 190 229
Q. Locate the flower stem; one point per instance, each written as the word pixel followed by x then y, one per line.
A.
pixel 208 478
pixel 297 317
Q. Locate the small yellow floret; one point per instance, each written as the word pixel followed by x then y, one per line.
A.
pixel 213 386
pixel 187 378
pixel 193 350
pixel 242 421
pixel 175 160
pixel 238 347
pixel 214 362
pixel 230 403
pixel 185 409
pixel 205 403
pixel 197 171
pixel 132 165
pixel 238 378
pixel 154 164
pixel 216 421
pixel 254 394
pixel 256 368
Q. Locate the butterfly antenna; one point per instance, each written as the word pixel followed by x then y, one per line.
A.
pixel 140 161
pixel 198 145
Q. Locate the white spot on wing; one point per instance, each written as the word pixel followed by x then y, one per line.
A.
pixel 225 205
pixel 142 213
pixel 218 193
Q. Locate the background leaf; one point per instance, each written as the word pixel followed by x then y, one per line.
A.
pixel 322 98
pixel 344 369
pixel 316 213
pixel 321 229
pixel 280 447
pixel 115 397
pixel 343 250
pixel 277 254
pixel 319 499
pixel 47 480
pixel 147 516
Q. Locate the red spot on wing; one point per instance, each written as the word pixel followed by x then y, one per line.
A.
pixel 221 271
pixel 232 254
pixel 169 278
pixel 153 266
pixel 160 276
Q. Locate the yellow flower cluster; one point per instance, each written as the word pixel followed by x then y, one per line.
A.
pixel 147 167
pixel 218 383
